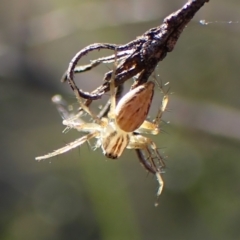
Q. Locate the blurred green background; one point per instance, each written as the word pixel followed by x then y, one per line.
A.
pixel 83 195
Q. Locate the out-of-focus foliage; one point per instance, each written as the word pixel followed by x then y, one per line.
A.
pixel 82 195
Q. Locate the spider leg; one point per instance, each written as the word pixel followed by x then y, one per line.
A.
pixel 163 105
pixel 70 146
pixel 161 110
pixel 111 113
pixel 153 127
pixel 144 161
pixel 61 106
pixel 115 96
pixel 70 119
pixel 106 108
pixel 82 126
pixel 85 105
pixel 142 143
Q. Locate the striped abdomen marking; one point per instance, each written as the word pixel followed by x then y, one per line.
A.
pixel 114 144
pixel 133 108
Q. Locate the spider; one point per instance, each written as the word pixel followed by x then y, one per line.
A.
pixel 122 128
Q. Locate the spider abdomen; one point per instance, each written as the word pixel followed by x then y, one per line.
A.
pixel 133 108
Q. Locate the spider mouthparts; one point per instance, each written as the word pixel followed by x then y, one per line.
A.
pixel 110 155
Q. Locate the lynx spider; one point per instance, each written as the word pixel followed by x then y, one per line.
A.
pixel 121 129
